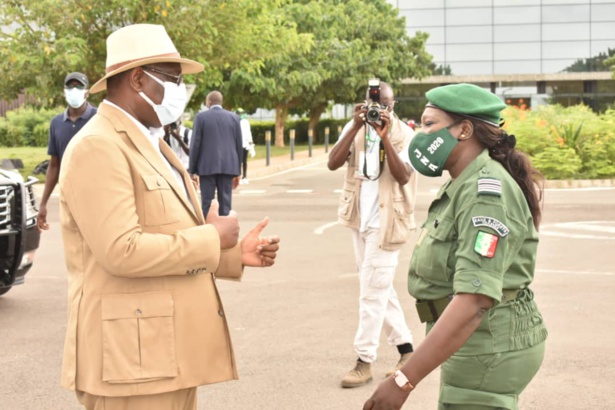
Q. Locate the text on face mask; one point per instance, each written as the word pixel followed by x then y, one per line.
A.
pixel 434 145
pixel 425 161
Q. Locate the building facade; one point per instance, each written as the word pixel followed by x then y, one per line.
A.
pixel 527 51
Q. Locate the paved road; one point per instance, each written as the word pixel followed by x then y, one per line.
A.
pixel 293 324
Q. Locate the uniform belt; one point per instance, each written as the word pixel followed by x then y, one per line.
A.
pixel 431 310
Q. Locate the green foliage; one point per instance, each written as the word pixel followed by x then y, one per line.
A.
pixel 43 40
pixel 27 126
pixel 557 162
pixel 565 142
pixel 596 63
pixel 301 126
pixel 345 42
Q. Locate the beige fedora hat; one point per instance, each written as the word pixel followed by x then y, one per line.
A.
pixel 141 44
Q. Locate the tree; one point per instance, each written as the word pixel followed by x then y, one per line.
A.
pixel 353 40
pixel 596 63
pixel 43 40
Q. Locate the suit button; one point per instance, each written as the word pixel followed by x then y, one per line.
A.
pixel 138 312
pixel 381 205
pixel 220 313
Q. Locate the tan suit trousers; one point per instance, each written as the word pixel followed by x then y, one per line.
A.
pixel 176 400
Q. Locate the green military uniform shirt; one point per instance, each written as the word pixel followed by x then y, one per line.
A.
pixel 479 237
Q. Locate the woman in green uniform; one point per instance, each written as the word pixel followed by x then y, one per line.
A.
pixel 473 263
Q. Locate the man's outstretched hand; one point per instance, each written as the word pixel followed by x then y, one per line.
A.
pixel 259 250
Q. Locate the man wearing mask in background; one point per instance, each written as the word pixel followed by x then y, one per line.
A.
pixel 377 203
pixel 62 129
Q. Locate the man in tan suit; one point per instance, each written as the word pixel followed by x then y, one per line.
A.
pixel 145 321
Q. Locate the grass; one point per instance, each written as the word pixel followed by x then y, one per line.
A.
pixel 32 156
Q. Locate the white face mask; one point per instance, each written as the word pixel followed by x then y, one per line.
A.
pixel 173 103
pixel 74 97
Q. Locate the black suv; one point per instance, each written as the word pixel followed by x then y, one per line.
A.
pixel 19 236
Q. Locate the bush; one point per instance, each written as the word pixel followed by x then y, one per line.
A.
pixel 40 136
pixel 26 120
pixel 557 163
pixel 565 142
pixel 259 128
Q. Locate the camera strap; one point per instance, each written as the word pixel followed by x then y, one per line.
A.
pixel 380 156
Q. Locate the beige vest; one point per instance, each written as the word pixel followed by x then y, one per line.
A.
pixel 396 201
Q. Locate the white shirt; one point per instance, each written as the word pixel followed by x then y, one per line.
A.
pixel 154 136
pixel 177 148
pixel 246 133
pixel 368 202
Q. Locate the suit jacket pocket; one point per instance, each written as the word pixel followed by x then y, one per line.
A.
pixel 158 201
pixel 138 337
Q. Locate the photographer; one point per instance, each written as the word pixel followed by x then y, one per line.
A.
pixel 178 138
pixel 377 203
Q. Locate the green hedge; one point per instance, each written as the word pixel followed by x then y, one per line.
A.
pixel 26 127
pixel 259 128
pixel 301 130
pixel 565 142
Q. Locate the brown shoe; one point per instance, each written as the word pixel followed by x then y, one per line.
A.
pixel 402 361
pixel 360 375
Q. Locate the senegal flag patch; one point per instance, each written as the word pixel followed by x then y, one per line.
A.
pixel 486 244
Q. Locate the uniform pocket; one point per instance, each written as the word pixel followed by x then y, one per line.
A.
pixel 434 251
pixel 159 201
pixel 138 337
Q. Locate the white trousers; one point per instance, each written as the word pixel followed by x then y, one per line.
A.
pixel 379 308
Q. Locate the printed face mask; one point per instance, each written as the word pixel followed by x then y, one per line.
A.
pixel 429 152
pixel 173 103
pixel 74 97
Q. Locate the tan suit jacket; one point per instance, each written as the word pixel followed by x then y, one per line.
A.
pixel 144 313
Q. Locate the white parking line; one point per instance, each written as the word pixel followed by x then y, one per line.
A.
pixel 252 191
pixel 581 230
pixel 579 189
pixel 321 229
pixel 300 191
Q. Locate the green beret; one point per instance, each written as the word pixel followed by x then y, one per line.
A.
pixel 467 99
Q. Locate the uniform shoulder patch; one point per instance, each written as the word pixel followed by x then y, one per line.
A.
pixel 486 244
pixel 489 186
pixel 492 223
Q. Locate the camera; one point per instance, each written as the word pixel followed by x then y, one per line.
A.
pixel 374 107
pixel 173 126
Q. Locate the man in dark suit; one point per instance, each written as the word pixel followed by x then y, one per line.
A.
pixel 216 150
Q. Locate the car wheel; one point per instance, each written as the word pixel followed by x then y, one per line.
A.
pixel 4 290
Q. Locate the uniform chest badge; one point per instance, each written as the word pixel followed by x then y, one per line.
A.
pixel 486 244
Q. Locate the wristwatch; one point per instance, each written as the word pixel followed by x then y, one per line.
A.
pixel 402 381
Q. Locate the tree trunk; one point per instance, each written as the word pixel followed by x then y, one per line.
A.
pixel 281 111
pixel 315 114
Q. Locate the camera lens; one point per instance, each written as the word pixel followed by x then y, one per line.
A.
pixel 373 113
